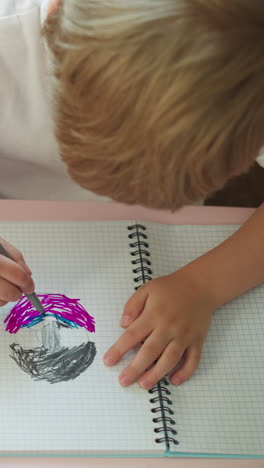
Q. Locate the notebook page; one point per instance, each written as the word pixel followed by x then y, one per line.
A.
pixel 220 409
pixel 91 414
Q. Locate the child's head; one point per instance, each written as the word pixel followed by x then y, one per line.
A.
pixel 158 102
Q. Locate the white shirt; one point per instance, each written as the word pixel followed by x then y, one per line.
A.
pixel 30 166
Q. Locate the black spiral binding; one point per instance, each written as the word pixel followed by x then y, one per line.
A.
pixel 166 414
pixel 141 262
pixel 160 394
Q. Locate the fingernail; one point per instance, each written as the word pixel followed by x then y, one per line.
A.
pixel 27 269
pixel 145 383
pixel 125 380
pixel 176 380
pixel 108 360
pixel 30 290
pixel 125 320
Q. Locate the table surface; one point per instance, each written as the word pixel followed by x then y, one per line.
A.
pixel 91 211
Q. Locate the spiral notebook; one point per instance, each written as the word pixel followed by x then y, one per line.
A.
pixel 57 397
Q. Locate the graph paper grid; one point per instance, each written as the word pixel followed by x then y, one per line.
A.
pixel 92 414
pixel 220 410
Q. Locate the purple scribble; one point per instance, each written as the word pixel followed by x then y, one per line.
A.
pixel 69 311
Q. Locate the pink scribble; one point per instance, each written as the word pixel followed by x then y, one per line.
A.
pixel 69 311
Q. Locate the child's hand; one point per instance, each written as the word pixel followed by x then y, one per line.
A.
pixel 172 317
pixel 15 276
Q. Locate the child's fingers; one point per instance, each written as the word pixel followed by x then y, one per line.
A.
pixel 134 335
pixel 190 364
pixel 168 360
pixel 16 255
pixel 15 274
pixel 148 353
pixel 134 307
pixel 25 267
pixel 9 292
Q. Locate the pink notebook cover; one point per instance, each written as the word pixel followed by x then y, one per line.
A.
pixel 11 210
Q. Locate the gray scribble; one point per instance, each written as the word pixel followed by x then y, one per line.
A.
pixel 51 337
pixel 52 361
pixel 58 366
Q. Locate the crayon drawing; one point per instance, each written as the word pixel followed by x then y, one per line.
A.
pixel 52 360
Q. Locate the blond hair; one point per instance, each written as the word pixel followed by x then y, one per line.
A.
pixel 158 102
